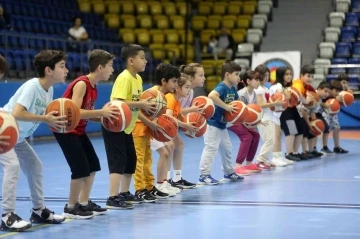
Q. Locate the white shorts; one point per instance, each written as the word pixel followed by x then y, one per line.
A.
pixel 155 145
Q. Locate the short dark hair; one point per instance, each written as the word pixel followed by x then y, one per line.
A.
pixel 98 57
pixel 129 51
pixel 3 65
pixel 230 67
pixel 343 76
pixel 280 74
pixel 324 85
pixel 166 71
pixel 335 84
pixel 307 69
pixel 47 58
pixel 262 69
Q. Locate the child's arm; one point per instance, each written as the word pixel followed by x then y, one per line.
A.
pixel 188 126
pixel 4 141
pixel 259 100
pixel 151 124
pixel 195 108
pixel 305 116
pixel 145 104
pixel 214 95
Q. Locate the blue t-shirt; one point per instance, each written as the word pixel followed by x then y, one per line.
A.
pixel 35 99
pixel 227 95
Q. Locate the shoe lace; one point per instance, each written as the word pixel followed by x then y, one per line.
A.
pixel 92 204
pixel 14 217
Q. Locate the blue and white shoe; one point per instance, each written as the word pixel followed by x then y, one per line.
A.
pixel 233 177
pixel 207 180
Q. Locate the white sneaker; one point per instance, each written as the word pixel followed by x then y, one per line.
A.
pixel 14 223
pixel 171 188
pixel 279 162
pixel 289 162
pixel 163 188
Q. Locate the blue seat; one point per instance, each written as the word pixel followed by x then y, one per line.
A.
pixel 354 80
pixel 355 5
pixel 75 59
pixel 356 50
pixel 337 70
pixel 343 49
pixel 331 77
pixel 348 34
pixel 351 19
pixel 28 25
pixel 24 9
pixel 13 41
pixel 19 24
pixel 338 61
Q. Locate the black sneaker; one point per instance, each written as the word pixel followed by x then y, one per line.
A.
pixel 77 212
pixel 327 151
pixel 45 216
pixel 145 196
pixel 158 194
pixel 128 197
pixel 292 157
pixel 116 203
pixel 182 184
pixel 95 209
pixel 302 156
pixel 307 155
pixel 317 154
pixel 13 223
pixel 340 150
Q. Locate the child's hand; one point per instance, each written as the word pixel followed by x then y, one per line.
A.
pixel 148 106
pixel 109 113
pixel 309 97
pixel 340 98
pixel 197 108
pixel 231 108
pixel 4 141
pixel 191 128
pixel 327 106
pixel 155 127
pixel 56 122
pixel 279 102
pixel 287 93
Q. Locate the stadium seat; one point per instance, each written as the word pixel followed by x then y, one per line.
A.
pixel 204 8
pixel 249 7
pixel 332 34
pixel 327 50
pixel 348 34
pixel 145 21
pixel 219 8
pixel 129 21
pixel 169 8
pixel 336 19
pixel 234 7
pixel 155 8
pixel 128 8
pixel 356 50
pixel 157 36
pixel 342 5
pixel 351 19
pixel 343 50
pixel 113 7
pixel 141 8
pixel 338 61
pixel 243 21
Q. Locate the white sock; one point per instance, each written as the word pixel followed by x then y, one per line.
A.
pixel 70 206
pixel 177 175
pixel 168 175
pixel 84 204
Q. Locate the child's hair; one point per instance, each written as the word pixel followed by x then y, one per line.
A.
pixel 262 69
pixel 166 71
pixel 190 69
pixel 230 67
pixel 3 65
pixel 343 76
pixel 248 75
pixel 182 80
pixel 280 74
pixel 47 58
pixel 98 57
pixel 129 51
pixel 324 85
pixel 307 69
pixel 335 84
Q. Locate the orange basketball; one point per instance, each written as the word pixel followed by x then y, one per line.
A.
pixel 348 98
pixel 8 127
pixel 239 116
pixel 170 126
pixel 312 104
pixel 335 106
pixel 278 96
pixel 156 97
pixel 294 97
pixel 206 104
pixel 199 122
pixel 68 108
pixel 317 127
pixel 123 119
pixel 255 114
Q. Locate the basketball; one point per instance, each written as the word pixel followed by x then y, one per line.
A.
pixel 317 127
pixel 335 106
pixel 254 116
pixel 68 108
pixel 200 123
pixel 123 119
pixel 206 104
pixel 278 96
pixel 294 97
pixel 170 126
pixel 156 97
pixel 313 103
pixel 239 116
pixel 348 98
pixel 9 128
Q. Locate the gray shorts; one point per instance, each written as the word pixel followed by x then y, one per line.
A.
pixel 332 120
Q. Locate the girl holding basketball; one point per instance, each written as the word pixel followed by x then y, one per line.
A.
pixel 249 138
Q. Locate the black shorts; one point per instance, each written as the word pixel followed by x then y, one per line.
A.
pixel 327 127
pixel 291 122
pixel 306 129
pixel 79 153
pixel 120 151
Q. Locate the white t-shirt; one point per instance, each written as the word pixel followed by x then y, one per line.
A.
pixel 77 32
pixel 35 99
pixel 268 114
pixel 185 102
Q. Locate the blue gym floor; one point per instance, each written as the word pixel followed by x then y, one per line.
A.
pixel 318 198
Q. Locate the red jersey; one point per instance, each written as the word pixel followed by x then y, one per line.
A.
pixel 87 104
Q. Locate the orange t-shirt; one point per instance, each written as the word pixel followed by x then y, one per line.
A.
pixel 299 85
pixel 173 104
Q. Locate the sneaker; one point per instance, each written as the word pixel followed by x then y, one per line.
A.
pixel 172 188
pixel 327 151
pixel 13 223
pixel 308 155
pixel 163 187
pixel 207 180
pixel 145 196
pixel 45 216
pixel 271 165
pixel 340 150
pixel 183 184
pixel 263 166
pixel 130 198
pixel 252 168
pixel 117 204
pixel 241 171
pixel 77 212
pixel 95 209
pixel 317 154
pixel 280 162
pixel 289 162
pixel 233 177
pixel 292 157
pixel 302 156
pixel 157 194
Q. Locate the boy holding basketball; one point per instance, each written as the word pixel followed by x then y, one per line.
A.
pixel 83 161
pixel 217 136
pixel 120 149
pixel 28 105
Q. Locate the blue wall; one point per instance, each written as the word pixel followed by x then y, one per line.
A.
pixel 348 117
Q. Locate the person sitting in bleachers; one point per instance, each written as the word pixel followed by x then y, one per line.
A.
pixel 77 31
pixel 4 20
pixel 225 44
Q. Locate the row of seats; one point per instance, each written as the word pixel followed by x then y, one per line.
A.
pixel 64 4
pixel 221 8
pixel 172 51
pixel 329 50
pixel 145 36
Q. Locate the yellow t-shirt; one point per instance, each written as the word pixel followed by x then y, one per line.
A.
pixel 126 87
pixel 173 104
pixel 299 85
